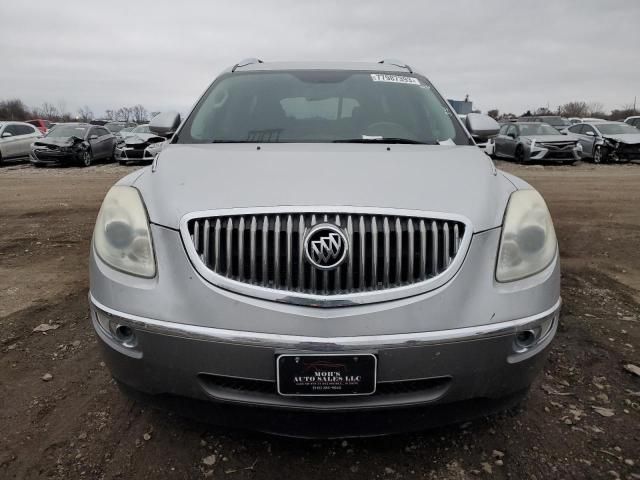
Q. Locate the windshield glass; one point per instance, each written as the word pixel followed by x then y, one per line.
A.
pixel 537 129
pixel 617 129
pixel 141 129
pixel 114 127
pixel 61 131
pixel 555 121
pixel 321 106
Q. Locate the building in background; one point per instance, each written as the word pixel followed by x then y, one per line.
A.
pixel 462 107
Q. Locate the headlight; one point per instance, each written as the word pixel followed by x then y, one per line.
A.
pixel 122 237
pixel 579 146
pixel 528 242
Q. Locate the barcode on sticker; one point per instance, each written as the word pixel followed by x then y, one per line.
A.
pixel 384 77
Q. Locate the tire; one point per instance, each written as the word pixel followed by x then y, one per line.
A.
pixel 599 154
pixel 112 158
pixel 519 155
pixel 87 158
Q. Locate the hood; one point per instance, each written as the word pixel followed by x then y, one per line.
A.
pixel 58 141
pixel 449 179
pixel 551 138
pixel 140 138
pixel 628 138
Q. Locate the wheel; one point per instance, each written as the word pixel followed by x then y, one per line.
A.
pixel 519 155
pixel 87 158
pixel 599 154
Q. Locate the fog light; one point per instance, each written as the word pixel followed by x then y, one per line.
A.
pixel 123 334
pixel 525 340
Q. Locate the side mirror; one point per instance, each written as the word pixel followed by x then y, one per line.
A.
pixel 93 137
pixel 591 134
pixel 165 124
pixel 481 127
pixel 7 134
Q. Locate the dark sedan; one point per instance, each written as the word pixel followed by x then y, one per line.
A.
pixel 74 143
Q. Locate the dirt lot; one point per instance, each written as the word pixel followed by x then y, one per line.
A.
pixel 581 420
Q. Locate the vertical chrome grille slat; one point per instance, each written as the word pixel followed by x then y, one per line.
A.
pixel 241 249
pixel 362 253
pixel 398 271
pixel 276 252
pixel 423 250
pixel 434 248
pixel 289 252
pixel 216 245
pixel 252 250
pixel 265 251
pixel 410 252
pixel 301 261
pixel 387 252
pixel 445 247
pixel 228 246
pixel 374 253
pixel 350 259
pixel 384 251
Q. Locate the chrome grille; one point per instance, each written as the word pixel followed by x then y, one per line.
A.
pixel 266 249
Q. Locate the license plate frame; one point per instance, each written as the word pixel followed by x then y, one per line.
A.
pixel 328 385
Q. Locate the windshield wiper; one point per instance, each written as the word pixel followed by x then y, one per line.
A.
pixel 385 140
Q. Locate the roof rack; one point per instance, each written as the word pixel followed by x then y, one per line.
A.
pixel 245 62
pixel 397 63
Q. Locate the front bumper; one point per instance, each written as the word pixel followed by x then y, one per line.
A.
pixel 53 157
pixel 128 154
pixel 438 367
pixel 541 153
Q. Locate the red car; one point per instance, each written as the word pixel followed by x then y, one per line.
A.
pixel 43 125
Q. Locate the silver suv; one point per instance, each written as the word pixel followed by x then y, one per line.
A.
pixel 324 248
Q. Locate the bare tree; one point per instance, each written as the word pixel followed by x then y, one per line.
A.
pixel 110 114
pixel 123 114
pixel 62 109
pixel 14 110
pixel 48 111
pixel 574 109
pixel 85 114
pixel 139 113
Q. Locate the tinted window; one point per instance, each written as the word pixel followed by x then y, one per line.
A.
pixel 577 128
pixel 587 128
pixel 616 128
pixel 102 131
pixel 512 130
pixel 321 106
pixel 537 129
pixel 12 129
pixel 503 129
pixel 25 130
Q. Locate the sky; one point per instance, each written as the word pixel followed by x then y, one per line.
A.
pixel 510 55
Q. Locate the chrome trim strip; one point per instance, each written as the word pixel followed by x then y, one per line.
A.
pixel 299 342
pixel 358 298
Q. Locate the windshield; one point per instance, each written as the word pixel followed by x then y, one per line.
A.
pixel 63 131
pixel 616 129
pixel 321 106
pixel 114 127
pixel 555 121
pixel 141 129
pixel 537 129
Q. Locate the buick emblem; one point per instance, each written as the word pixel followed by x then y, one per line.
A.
pixel 325 246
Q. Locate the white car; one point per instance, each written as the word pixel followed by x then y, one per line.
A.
pixel 16 139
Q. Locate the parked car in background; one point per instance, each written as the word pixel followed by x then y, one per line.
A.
pixel 533 141
pixel 140 144
pixel 633 121
pixel 117 127
pixel 40 124
pixel 74 143
pixel 608 141
pixel 16 139
pixel 555 121
pixel 141 131
pixel 574 120
pixel 591 119
pixel 324 248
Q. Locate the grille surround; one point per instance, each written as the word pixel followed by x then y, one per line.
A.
pixel 284 293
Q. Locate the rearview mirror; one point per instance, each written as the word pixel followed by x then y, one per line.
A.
pixel 481 127
pixel 7 134
pixel 165 124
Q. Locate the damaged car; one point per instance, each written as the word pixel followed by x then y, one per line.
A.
pixel 73 144
pixel 533 141
pixel 139 145
pixel 608 141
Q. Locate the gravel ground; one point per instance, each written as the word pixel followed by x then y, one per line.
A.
pixel 63 417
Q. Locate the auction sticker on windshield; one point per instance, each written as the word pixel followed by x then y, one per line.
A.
pixel 384 77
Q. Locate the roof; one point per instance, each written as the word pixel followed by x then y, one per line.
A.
pixel 358 66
